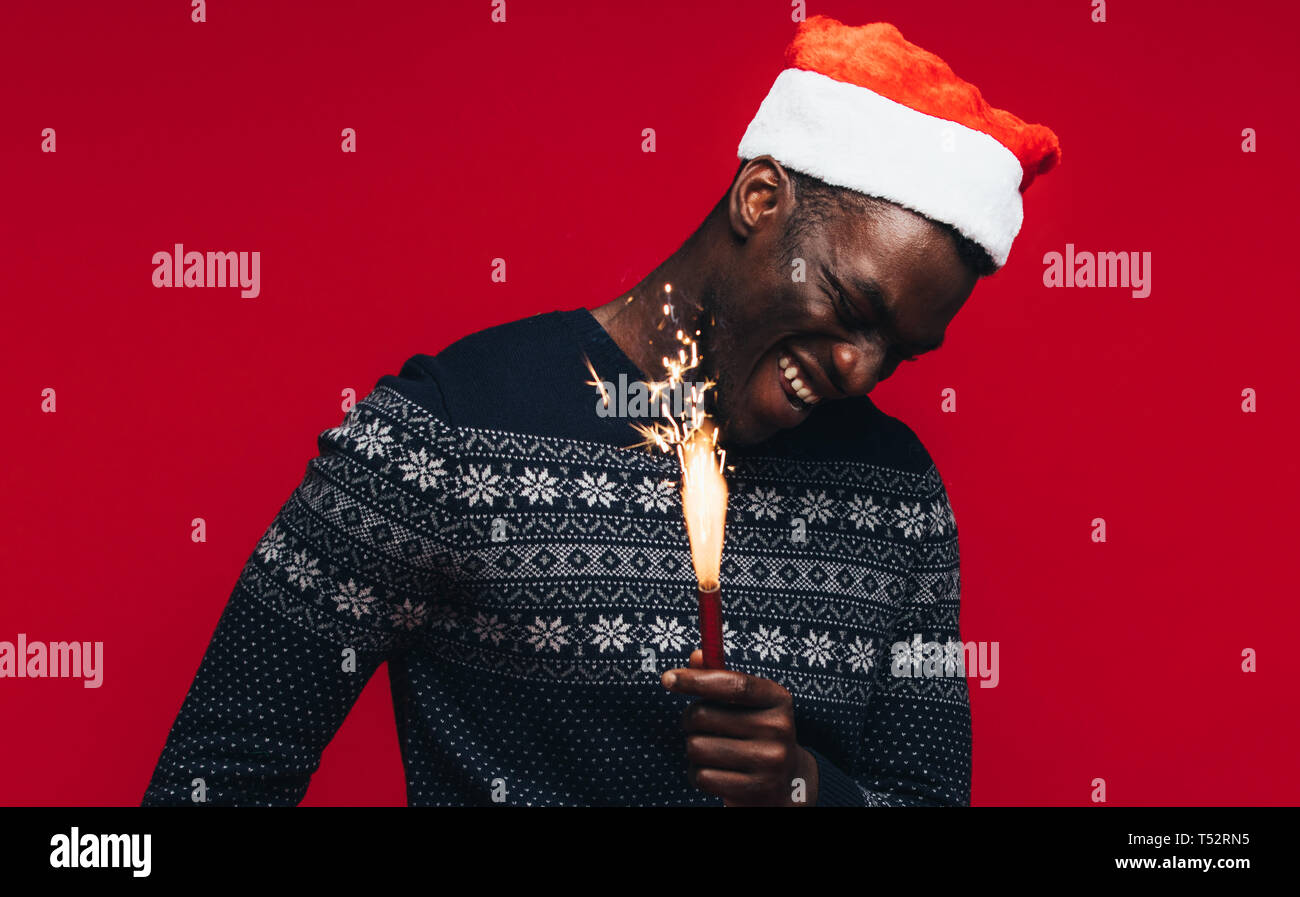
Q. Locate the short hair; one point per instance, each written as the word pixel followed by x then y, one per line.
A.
pixel 816 201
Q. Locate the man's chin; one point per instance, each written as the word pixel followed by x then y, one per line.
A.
pixel 760 418
pixel 745 429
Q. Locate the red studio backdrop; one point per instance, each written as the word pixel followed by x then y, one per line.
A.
pixel 1120 660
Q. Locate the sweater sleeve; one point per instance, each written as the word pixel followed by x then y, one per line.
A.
pixel 917 734
pixel 345 576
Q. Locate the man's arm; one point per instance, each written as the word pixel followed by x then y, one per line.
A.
pixel 343 578
pixel 917 749
pixel 742 743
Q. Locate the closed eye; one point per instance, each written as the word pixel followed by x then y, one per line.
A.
pixel 848 314
pixel 854 321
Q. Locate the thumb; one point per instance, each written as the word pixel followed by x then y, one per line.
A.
pixel 697 659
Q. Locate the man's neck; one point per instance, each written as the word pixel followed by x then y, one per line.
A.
pixel 636 320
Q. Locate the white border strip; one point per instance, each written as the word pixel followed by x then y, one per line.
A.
pixel 851 136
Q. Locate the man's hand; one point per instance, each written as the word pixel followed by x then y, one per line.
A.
pixel 740 738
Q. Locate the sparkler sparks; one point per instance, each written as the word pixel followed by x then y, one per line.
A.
pixel 672 433
pixel 694 439
pixel 597 382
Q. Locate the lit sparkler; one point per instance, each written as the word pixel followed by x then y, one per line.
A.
pixel 694 439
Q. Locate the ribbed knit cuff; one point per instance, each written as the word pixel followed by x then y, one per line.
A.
pixel 834 787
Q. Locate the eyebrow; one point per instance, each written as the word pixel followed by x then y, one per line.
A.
pixel 868 287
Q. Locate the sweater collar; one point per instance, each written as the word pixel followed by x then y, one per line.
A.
pixel 605 354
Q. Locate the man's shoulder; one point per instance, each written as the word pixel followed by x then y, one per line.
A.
pixel 511 376
pixel 496 350
pixel 857 430
pixel 504 345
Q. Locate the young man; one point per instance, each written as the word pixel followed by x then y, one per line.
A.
pixel 480 522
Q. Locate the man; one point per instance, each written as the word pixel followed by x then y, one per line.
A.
pixel 480 522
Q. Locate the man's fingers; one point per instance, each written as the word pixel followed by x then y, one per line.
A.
pixel 719 753
pixel 697 659
pixel 726 687
pixel 737 788
pixel 764 758
pixel 737 722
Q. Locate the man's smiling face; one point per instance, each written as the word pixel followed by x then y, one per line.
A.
pixel 879 287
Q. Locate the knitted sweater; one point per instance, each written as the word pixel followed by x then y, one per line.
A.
pixel 476 524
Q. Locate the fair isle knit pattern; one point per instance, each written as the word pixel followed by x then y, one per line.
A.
pixel 528 590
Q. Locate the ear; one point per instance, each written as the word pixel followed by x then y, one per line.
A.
pixel 762 196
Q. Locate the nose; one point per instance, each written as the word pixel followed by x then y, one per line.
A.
pixel 860 366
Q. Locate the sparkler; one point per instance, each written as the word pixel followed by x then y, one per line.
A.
pixel 704 505
pixel 694 439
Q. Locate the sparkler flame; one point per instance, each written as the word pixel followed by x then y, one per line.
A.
pixel 704 503
pixel 694 439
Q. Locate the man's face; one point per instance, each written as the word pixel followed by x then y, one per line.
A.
pixel 877 290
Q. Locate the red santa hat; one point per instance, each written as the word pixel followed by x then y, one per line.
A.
pixel 862 108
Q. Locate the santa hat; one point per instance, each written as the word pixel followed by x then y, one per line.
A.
pixel 862 108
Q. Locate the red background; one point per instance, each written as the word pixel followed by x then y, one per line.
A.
pixel 523 140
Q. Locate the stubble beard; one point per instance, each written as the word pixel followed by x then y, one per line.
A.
pixel 715 335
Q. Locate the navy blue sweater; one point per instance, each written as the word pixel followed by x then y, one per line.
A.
pixel 474 523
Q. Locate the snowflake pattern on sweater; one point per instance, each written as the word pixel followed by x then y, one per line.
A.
pixel 527 591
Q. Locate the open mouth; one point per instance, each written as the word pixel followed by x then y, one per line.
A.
pixel 795 384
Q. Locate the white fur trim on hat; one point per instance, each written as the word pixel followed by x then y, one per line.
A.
pixel 851 136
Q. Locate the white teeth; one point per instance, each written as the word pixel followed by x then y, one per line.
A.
pixel 791 372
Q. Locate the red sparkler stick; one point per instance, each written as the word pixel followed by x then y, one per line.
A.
pixel 711 628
